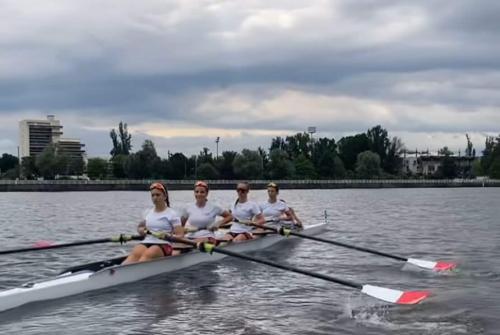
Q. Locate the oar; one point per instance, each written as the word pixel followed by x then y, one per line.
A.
pixel 121 239
pixel 433 265
pixel 382 293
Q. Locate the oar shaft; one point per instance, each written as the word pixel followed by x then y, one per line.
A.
pixel 273 264
pixel 72 244
pixel 340 244
pixel 291 268
pixel 55 246
pixel 350 246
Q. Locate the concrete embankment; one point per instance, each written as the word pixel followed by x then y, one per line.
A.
pixel 142 185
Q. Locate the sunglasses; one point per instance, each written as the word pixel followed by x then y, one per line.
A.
pixel 242 190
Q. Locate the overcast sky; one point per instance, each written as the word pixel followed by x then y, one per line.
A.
pixel 184 72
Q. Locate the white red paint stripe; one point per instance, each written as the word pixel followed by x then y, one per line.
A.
pixel 395 296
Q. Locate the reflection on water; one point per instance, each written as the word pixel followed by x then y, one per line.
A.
pixel 237 297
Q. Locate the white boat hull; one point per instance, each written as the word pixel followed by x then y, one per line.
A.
pixel 68 284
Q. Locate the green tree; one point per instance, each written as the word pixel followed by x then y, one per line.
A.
pixel 278 143
pixel 325 165
pixel 121 140
pixel 47 163
pixel 97 168
pixel 224 165
pixel 304 168
pixel 368 165
pixel 339 171
pixel 149 160
pixel 76 166
pixel 350 147
pixel 207 171
pixel 62 162
pixel 494 171
pixel 177 166
pixel 118 166
pixel 477 169
pixel 8 162
pixel 494 157
pixel 134 168
pixel 448 169
pixel 488 155
pixel 324 152
pixel 248 165
pixel 145 163
pixel 378 141
pixel 469 150
pixel 265 160
pixel 280 166
pixel 11 173
pixel 29 168
pixel 205 156
pixel 299 144
pixel 393 162
pixel 445 152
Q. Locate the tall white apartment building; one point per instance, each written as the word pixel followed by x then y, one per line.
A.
pixel 36 135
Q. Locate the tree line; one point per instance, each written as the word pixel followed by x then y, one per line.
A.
pixel 371 154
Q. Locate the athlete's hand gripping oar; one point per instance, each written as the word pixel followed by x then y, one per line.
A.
pixel 433 265
pixel 382 293
pixel 119 239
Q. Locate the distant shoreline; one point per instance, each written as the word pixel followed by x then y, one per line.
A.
pixel 142 185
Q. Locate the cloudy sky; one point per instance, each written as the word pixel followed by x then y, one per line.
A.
pixel 184 72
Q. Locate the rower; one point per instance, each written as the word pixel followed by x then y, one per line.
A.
pixel 244 210
pixel 201 216
pixel 276 210
pixel 159 219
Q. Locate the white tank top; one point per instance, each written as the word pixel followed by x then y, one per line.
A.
pixel 244 212
pixel 201 218
pixel 273 210
pixel 160 222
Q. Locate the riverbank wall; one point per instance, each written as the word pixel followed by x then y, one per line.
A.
pixel 142 185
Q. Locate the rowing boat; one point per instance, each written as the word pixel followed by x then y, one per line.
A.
pixel 108 273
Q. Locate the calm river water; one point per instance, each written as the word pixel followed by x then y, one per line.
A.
pixel 237 297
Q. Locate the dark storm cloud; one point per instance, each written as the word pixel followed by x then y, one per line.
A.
pixel 154 61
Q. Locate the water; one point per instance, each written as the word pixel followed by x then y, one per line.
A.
pixel 237 297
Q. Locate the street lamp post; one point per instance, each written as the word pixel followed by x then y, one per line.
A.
pixel 196 167
pixel 311 131
pixel 217 147
pixel 18 164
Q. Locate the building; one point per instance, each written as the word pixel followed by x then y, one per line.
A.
pixel 71 147
pixel 36 135
pixel 427 165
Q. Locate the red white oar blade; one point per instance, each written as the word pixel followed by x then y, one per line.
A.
pixel 42 244
pixel 444 266
pixel 395 296
pixel 436 266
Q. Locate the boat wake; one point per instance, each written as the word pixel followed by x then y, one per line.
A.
pixel 395 318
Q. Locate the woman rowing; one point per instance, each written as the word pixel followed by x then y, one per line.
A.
pixel 276 210
pixel 159 219
pixel 202 214
pixel 244 210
